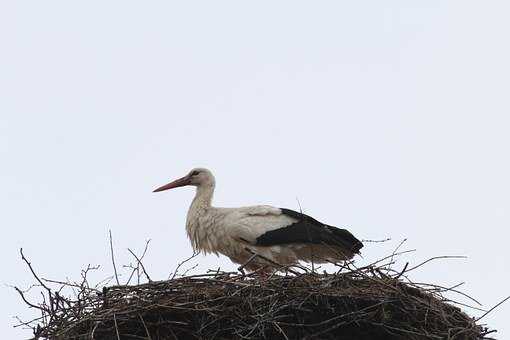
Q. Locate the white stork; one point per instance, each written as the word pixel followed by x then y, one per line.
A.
pixel 280 235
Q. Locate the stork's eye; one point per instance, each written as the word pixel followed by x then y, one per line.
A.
pixel 194 173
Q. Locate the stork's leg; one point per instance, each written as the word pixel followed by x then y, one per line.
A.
pixel 241 268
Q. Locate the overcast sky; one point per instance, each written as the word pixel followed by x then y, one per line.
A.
pixel 390 118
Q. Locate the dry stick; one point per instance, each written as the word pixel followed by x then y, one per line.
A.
pixel 387 257
pixel 195 254
pixel 84 285
pixel 464 305
pixel 50 295
pixel 94 329
pixel 116 327
pixel 371 267
pixel 141 258
pixel 442 289
pixel 137 269
pixel 141 264
pixel 28 303
pixel 26 323
pixel 281 330
pixel 189 269
pixel 490 310
pixel 377 241
pixel 435 258
pixel 145 326
pixel 393 255
pixel 69 284
pixel 113 258
pixel 401 272
pixel 103 282
pixel 487 332
pixel 307 234
pixel 33 272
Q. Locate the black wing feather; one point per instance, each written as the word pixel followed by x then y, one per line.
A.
pixel 309 230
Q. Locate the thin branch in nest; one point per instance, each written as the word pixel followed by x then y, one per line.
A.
pixel 141 264
pixel 145 327
pixel 64 284
pixel 116 326
pixel 29 303
pixel 402 271
pixel 96 324
pixel 137 268
pixel 449 289
pixel 189 269
pixel 113 257
pixel 180 264
pixel 493 308
pixel 436 258
pixel 394 252
pixel 377 262
pixel 376 241
pixel 312 255
pixel 32 270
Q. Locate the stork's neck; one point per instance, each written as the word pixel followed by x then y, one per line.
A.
pixel 201 202
pixel 198 224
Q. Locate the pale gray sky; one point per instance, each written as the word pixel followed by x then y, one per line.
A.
pixel 389 118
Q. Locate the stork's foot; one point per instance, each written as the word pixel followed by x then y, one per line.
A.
pixel 246 264
pixel 241 270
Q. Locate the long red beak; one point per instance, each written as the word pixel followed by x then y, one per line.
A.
pixel 175 184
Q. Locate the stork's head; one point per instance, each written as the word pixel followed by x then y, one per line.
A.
pixel 199 177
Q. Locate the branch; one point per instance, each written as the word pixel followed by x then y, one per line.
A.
pixel 136 269
pixel 141 264
pixel 113 258
pixel 490 310
pixel 436 258
pixel 195 254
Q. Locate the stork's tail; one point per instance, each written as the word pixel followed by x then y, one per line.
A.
pixel 346 239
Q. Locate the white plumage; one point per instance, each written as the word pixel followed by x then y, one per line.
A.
pixel 280 235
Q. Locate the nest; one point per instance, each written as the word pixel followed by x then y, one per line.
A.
pixel 369 303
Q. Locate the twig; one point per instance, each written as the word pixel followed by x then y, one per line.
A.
pixel 435 258
pixel 195 254
pixel 141 264
pixel 402 271
pixel 32 270
pixel 281 330
pixel 136 269
pixel 376 241
pixel 189 269
pixel 145 326
pixel 116 326
pixel 393 255
pixel 113 258
pixel 311 248
pixel 96 324
pixel 387 257
pixel 27 302
pixel 490 310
